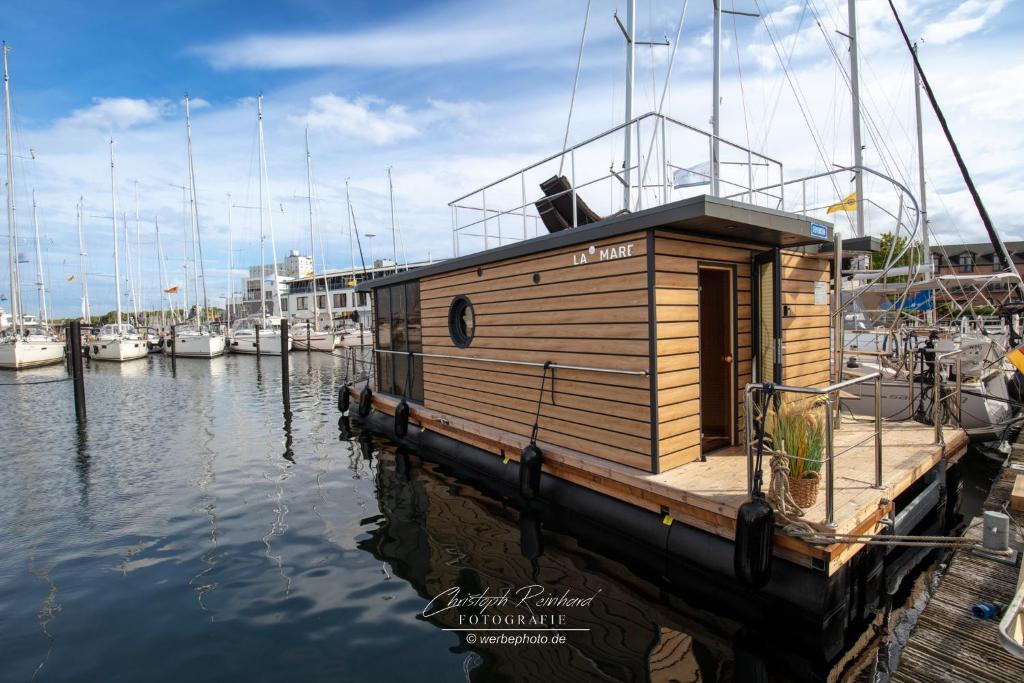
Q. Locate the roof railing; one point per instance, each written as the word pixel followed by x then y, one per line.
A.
pixel 667 151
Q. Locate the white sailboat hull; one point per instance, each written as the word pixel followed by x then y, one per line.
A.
pixel 318 341
pixel 196 345
pixel 357 339
pixel 270 343
pixel 980 413
pixel 30 353
pixel 118 350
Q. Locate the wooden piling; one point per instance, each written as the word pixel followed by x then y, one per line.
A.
pixel 286 395
pixel 77 375
pixel 174 348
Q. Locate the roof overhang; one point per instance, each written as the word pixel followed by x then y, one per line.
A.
pixel 702 215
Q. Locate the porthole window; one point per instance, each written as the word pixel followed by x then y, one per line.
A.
pixel 461 321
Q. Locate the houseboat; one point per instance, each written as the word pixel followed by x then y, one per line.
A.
pixel 623 350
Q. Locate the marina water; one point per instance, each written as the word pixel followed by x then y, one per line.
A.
pixel 192 531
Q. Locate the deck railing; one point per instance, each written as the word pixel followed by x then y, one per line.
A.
pixel 949 358
pixel 505 210
pixel 830 394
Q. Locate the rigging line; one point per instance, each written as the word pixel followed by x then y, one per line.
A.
pixel 575 82
pixel 664 88
pixel 739 71
pixel 997 243
pixel 873 131
pixel 781 80
pixel 798 95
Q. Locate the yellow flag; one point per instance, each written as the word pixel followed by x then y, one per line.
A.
pixel 71 277
pixel 849 203
pixel 352 283
pixel 1017 358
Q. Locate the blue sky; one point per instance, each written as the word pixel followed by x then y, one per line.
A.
pixel 452 95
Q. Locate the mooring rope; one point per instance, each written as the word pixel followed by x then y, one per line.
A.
pixel 42 381
pixel 540 402
pixel 778 487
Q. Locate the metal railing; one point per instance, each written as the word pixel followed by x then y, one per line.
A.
pixel 663 146
pixel 505 361
pixel 830 454
pixel 950 358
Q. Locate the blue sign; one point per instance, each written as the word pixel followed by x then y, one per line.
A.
pixel 920 301
pixel 819 230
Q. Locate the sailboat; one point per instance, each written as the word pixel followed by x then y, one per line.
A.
pixel 262 334
pixel 908 353
pixel 353 335
pixel 119 341
pixel 313 335
pixel 27 343
pixel 198 338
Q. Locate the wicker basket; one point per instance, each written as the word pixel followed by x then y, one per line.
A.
pixel 804 490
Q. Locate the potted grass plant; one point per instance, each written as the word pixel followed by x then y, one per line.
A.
pixel 797 430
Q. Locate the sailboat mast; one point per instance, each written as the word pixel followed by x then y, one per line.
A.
pixel 164 295
pixel 312 238
pixel 186 228
pixel 231 293
pixel 627 159
pixel 138 255
pixel 926 255
pixel 113 220
pixel 351 244
pixel 197 244
pixel 270 212
pixel 129 281
pixel 716 95
pixel 40 283
pixel 858 150
pixel 82 265
pixel 394 233
pixel 263 274
pixel 12 227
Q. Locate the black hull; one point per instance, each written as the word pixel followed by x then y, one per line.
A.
pixel 827 611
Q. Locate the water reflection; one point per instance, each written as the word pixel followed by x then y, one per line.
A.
pixel 217 537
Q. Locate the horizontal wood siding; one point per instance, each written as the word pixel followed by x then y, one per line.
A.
pixel 806 332
pixel 549 307
pixel 677 258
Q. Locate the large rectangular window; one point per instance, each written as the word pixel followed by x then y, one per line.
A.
pixel 339 300
pixel 399 328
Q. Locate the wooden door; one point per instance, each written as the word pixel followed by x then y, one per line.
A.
pixel 716 316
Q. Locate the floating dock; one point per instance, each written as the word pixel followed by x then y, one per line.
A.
pixel 949 644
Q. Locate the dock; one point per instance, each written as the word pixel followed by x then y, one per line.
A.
pixel 948 644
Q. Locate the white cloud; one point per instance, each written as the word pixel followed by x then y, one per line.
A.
pixel 969 17
pixel 442 37
pixel 118 113
pixel 364 118
pixel 379 122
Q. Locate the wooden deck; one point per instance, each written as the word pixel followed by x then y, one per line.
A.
pixel 707 495
pixel 947 643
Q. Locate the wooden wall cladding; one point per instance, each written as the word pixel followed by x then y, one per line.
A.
pixel 584 305
pixel 677 258
pixel 806 335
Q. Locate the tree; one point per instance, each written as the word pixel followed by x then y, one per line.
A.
pixel 891 245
